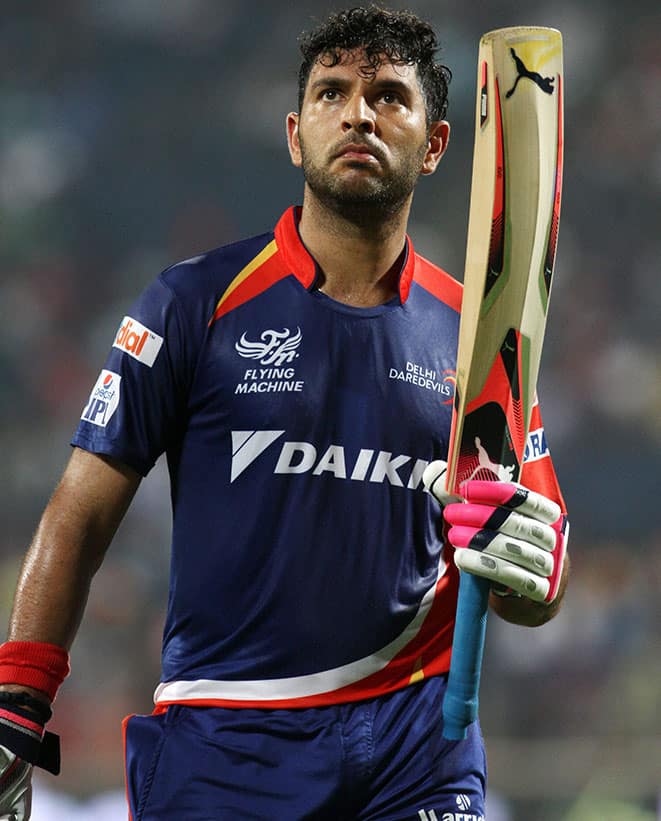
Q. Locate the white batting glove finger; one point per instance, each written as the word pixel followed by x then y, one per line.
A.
pixel 434 479
pixel 530 530
pixel 520 552
pixel 501 520
pixel 513 496
pixel 503 572
pixel 515 537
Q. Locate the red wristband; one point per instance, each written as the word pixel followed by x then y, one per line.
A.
pixel 34 664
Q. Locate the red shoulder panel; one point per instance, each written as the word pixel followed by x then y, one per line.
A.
pixel 438 282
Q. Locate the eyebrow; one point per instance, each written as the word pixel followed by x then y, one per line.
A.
pixel 379 84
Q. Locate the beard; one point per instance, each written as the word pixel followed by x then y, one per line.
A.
pixel 368 196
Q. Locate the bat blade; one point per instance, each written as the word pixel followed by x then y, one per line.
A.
pixel 510 253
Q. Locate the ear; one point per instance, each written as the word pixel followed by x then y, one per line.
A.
pixel 439 137
pixel 293 142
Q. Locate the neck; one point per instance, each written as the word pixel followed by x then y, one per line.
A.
pixel 358 252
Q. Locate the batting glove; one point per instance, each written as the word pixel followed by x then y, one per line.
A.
pixel 15 787
pixel 24 742
pixel 504 532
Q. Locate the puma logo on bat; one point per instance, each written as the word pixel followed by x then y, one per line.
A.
pixel 545 83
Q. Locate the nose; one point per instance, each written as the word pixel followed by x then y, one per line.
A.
pixel 358 115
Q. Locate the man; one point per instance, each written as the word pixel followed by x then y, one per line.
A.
pixel 291 382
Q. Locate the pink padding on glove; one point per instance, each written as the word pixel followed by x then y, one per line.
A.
pixel 459 536
pixel 489 505
pixel 471 515
pixel 561 527
pixel 492 493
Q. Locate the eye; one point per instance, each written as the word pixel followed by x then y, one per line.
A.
pixel 390 97
pixel 329 94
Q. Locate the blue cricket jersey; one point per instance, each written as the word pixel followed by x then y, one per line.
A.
pixel 307 564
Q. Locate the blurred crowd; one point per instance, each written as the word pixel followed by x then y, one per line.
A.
pixel 136 133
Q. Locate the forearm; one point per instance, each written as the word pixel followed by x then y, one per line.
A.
pixel 53 586
pixel 68 548
pixel 526 612
pixel 51 594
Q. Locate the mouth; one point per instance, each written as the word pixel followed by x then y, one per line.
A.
pixel 358 152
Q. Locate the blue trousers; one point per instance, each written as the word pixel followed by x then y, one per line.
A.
pixel 383 758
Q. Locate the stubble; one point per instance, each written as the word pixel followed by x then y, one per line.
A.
pixel 364 197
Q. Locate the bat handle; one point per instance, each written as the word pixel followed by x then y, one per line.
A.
pixel 461 697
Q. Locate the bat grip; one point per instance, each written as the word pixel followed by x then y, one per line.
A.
pixel 461 697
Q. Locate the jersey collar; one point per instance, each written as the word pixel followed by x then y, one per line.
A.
pixel 305 268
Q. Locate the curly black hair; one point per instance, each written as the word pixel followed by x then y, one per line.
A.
pixel 398 36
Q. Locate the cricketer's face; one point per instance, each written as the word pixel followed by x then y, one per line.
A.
pixel 363 138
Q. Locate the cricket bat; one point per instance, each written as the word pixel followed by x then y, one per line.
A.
pixel 510 253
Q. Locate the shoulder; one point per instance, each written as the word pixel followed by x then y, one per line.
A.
pixel 214 269
pixel 438 282
pixel 197 285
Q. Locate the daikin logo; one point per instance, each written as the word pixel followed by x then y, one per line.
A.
pixel 340 462
pixel 247 446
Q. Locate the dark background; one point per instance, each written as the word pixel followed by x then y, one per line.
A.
pixel 134 133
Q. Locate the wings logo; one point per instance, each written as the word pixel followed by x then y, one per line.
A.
pixel 274 348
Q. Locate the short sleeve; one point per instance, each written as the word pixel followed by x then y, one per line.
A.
pixel 137 406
